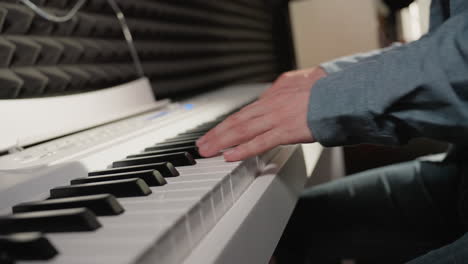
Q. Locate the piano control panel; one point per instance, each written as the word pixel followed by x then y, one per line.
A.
pixel 71 146
pixel 43 153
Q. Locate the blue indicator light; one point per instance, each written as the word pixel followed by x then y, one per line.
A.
pixel 189 106
pixel 157 115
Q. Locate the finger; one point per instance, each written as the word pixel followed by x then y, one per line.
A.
pixel 237 135
pixel 249 112
pixel 258 145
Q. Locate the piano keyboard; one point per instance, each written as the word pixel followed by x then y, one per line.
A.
pixel 129 212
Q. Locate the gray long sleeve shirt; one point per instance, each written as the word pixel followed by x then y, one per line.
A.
pixel 388 97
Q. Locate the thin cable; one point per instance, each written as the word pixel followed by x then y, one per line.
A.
pixel 118 13
pixel 128 37
pixel 54 18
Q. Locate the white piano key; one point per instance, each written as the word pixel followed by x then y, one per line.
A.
pixel 147 219
pixel 228 197
pixel 143 205
pixel 207 212
pixel 176 194
pixel 190 185
pixel 197 177
pixel 181 237
pixel 218 203
pixel 195 222
pixel 207 170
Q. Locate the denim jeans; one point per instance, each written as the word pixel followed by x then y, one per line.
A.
pixel 395 214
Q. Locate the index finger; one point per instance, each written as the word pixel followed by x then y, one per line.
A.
pixel 249 112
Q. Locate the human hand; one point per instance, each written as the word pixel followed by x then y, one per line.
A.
pixel 278 117
pixel 299 79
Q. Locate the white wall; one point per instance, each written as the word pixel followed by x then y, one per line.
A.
pixel 326 29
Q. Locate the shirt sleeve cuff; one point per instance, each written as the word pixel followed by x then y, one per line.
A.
pixel 342 63
pixel 340 108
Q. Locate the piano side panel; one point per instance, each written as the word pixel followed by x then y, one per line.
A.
pixel 250 230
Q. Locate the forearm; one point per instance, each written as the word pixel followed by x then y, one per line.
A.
pixel 419 89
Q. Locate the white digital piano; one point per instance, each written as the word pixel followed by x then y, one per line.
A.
pixel 206 211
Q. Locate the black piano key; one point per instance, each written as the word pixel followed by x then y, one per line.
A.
pixel 198 130
pixel 151 177
pixel 101 204
pixel 120 188
pixel 177 159
pixel 178 144
pixel 208 125
pixel 165 168
pixel 50 221
pixel 191 134
pixel 27 246
pixel 192 150
pixel 181 138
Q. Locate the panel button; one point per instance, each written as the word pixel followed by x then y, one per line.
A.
pixel 121 188
pixel 165 168
pixel 27 246
pixel 151 177
pixel 66 220
pixel 178 159
pixel 101 204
